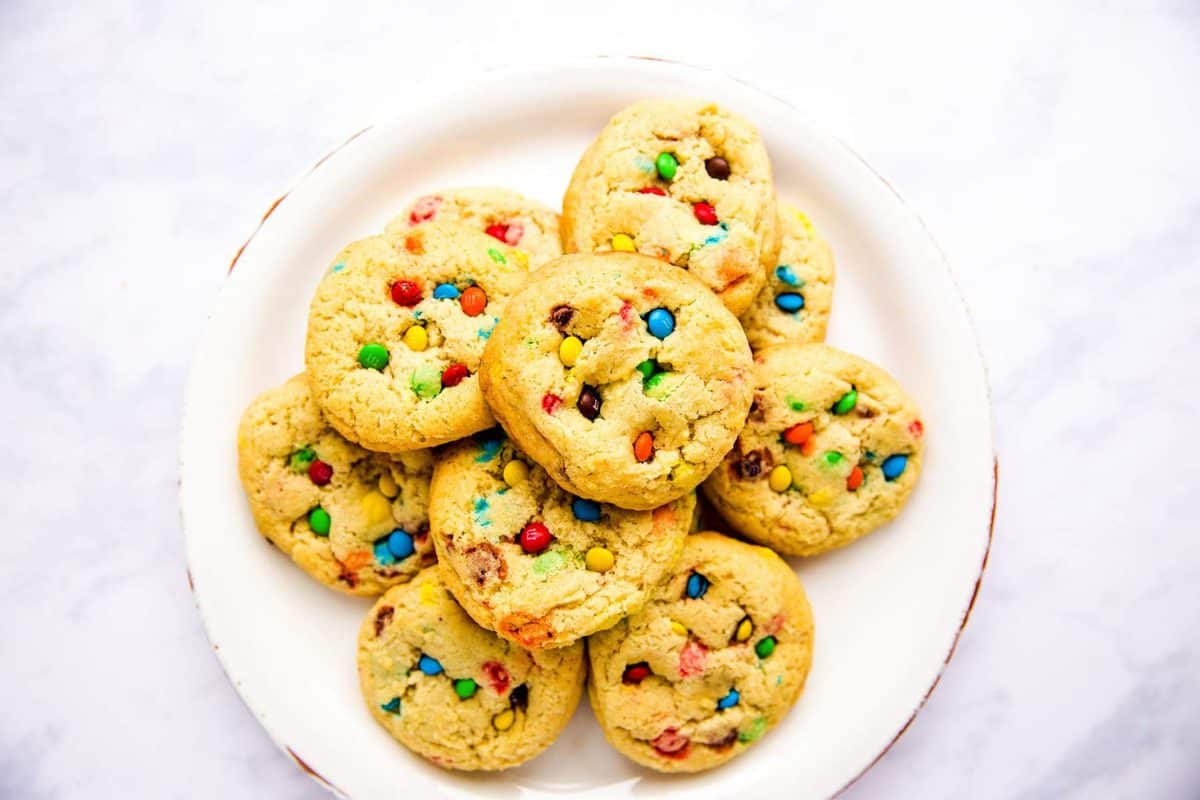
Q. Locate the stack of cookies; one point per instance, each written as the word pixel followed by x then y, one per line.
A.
pixel 504 419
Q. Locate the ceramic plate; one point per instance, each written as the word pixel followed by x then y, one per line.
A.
pixel 888 609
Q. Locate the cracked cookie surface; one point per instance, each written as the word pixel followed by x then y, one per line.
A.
pixel 503 214
pixel 831 451
pixel 794 303
pixel 623 377
pixel 354 520
pixel 710 664
pixel 455 693
pixel 685 181
pixel 396 330
pixel 535 563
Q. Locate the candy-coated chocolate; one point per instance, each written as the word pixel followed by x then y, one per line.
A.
pixel 846 403
pixel 445 291
pixel 636 673
pixel 780 479
pixel 504 720
pixel 717 168
pixel 799 433
pixel 643 446
pixel 697 585
pixel 429 665
pixel 497 231
pixel 854 479
pixel 417 338
pixel 569 350
pixel 319 521
pixel 833 458
pixel 534 537
pixel 589 402
pixel 599 559
pixel 705 213
pixel 387 485
pixel 660 322
pixel 652 190
pixel 678 628
pixel 400 544
pixel 465 688
pixel 299 460
pixel 585 510
pixel 623 243
pixel 765 646
pixel 893 466
pixel 320 472
pixel 560 316
pixel 454 374
pixel 744 629
pixel 406 293
pixel 427 381
pixel 392 706
pixel 730 700
pixel 666 164
pixel 373 356
pixel 647 368
pixel 515 472
pixel 790 302
pixel 473 301
pixel 382 554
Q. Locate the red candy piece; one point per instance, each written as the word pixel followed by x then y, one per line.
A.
pixel 534 538
pixel 916 428
pixel 705 213
pixel 855 479
pixel 454 374
pixel 319 472
pixel 776 623
pixel 636 673
pixel 692 658
pixel 424 209
pixel 406 293
pixel 671 743
pixel 798 434
pixel 627 315
pixel 652 190
pixel 497 676
pixel 497 231
pixel 551 403
pixel 510 233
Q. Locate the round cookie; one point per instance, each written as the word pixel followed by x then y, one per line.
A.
pixel 682 180
pixel 625 378
pixel 455 693
pixel 512 218
pixel 354 520
pixel 396 330
pixel 793 305
pixel 831 451
pixel 711 664
pixel 534 563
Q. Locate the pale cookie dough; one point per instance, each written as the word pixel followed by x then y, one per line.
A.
pixel 455 693
pixel 624 377
pixel 793 305
pixel 710 665
pixel 354 520
pixel 396 330
pixel 832 451
pixel 685 181
pixel 538 565
pixel 511 218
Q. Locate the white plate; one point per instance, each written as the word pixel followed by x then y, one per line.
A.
pixel 888 609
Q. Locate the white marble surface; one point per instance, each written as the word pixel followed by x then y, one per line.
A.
pixel 1051 147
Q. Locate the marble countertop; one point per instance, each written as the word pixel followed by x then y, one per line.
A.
pixel 1051 148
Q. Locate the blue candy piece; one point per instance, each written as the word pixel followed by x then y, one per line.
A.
pixel 430 666
pixel 382 554
pixel 697 585
pixel 585 510
pixel 489 448
pixel 392 706
pixel 785 274
pixel 790 302
pixel 660 322
pixel 729 701
pixel 400 544
pixel 445 291
pixel 893 466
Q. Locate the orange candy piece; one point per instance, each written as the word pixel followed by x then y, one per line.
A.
pixel 643 447
pixel 473 301
pixel 854 479
pixel 798 434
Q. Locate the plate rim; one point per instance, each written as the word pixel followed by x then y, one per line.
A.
pixel 513 70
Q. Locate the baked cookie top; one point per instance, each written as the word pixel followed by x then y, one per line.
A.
pixel 793 305
pixel 534 563
pixel 396 330
pixel 685 181
pixel 831 451
pixel 716 660
pixel 354 520
pixel 455 693
pixel 624 377
pixel 512 218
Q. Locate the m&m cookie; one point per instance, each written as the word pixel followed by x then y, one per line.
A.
pixel 354 520
pixel 831 451
pixel 541 566
pixel 396 330
pixel 455 693
pixel 625 378
pixel 712 663
pixel 684 181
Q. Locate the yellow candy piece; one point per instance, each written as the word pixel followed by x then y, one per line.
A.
pixel 623 243
pixel 416 338
pixel 678 628
pixel 515 472
pixel 387 485
pixel 821 497
pixel 598 559
pixel 376 508
pixel 504 720
pixel 805 221
pixel 428 594
pixel 522 258
pixel 569 349
pixel 780 479
pixel 744 629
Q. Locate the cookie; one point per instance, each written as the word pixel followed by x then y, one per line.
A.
pixel 511 218
pixel 534 563
pixel 710 665
pixel 396 330
pixel 624 377
pixel 354 520
pixel 793 305
pixel 685 181
pixel 455 693
pixel 831 451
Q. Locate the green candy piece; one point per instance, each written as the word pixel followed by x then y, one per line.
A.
pixel 373 356
pixel 497 256
pixel 548 562
pixel 756 729
pixel 794 404
pixel 319 521
pixel 833 458
pixel 465 688
pixel 666 164
pixel 847 403
pixel 427 382
pixel 647 368
pixel 661 384
pixel 765 647
pixel 301 459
